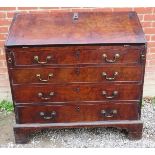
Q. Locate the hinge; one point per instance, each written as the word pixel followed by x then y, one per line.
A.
pixel 9 57
pixel 143 54
pixel 143 57
pixel 9 60
pixel 145 47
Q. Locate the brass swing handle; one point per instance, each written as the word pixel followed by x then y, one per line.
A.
pixel 52 115
pixel 43 97
pixel 114 94
pixel 116 57
pixel 109 113
pixel 36 59
pixel 104 74
pixel 44 80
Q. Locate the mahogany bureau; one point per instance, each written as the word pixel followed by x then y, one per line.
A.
pixel 72 70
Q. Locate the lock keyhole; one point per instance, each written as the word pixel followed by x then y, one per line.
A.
pixel 75 16
pixel 78 108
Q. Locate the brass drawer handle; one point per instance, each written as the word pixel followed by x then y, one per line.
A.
pixel 104 74
pixel 109 113
pixel 36 59
pixel 114 94
pixel 41 95
pixel 45 80
pixel 116 57
pixel 52 115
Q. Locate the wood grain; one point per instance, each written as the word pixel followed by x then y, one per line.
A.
pixel 76 52
pixel 90 28
pixel 72 55
pixel 75 92
pixel 76 113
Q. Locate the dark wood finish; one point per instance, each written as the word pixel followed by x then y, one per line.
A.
pixel 61 28
pixel 75 92
pixel 76 74
pixel 77 113
pixel 85 72
pixel 76 55
pixel 134 128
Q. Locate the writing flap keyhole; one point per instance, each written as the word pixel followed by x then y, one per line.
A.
pixel 78 109
pixel 75 16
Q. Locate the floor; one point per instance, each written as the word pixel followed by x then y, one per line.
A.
pixel 81 138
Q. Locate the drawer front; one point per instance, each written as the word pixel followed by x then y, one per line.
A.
pixel 75 92
pixel 76 54
pixel 77 113
pixel 111 55
pixel 77 74
pixel 44 57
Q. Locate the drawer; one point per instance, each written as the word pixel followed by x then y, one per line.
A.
pixel 36 56
pixel 76 113
pixel 76 74
pixel 75 92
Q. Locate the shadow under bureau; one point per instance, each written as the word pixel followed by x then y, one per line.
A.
pixel 70 70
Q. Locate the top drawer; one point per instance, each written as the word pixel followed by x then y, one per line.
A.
pixel 70 55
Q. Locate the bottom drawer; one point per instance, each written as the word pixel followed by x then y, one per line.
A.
pixel 76 113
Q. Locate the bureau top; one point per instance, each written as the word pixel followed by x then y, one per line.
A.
pixel 75 28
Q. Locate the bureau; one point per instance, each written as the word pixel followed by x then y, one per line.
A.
pixel 70 70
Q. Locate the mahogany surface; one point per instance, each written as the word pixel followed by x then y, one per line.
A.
pixel 89 28
pixel 76 70
pixel 82 55
pixel 75 92
pixel 77 74
pixel 76 113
